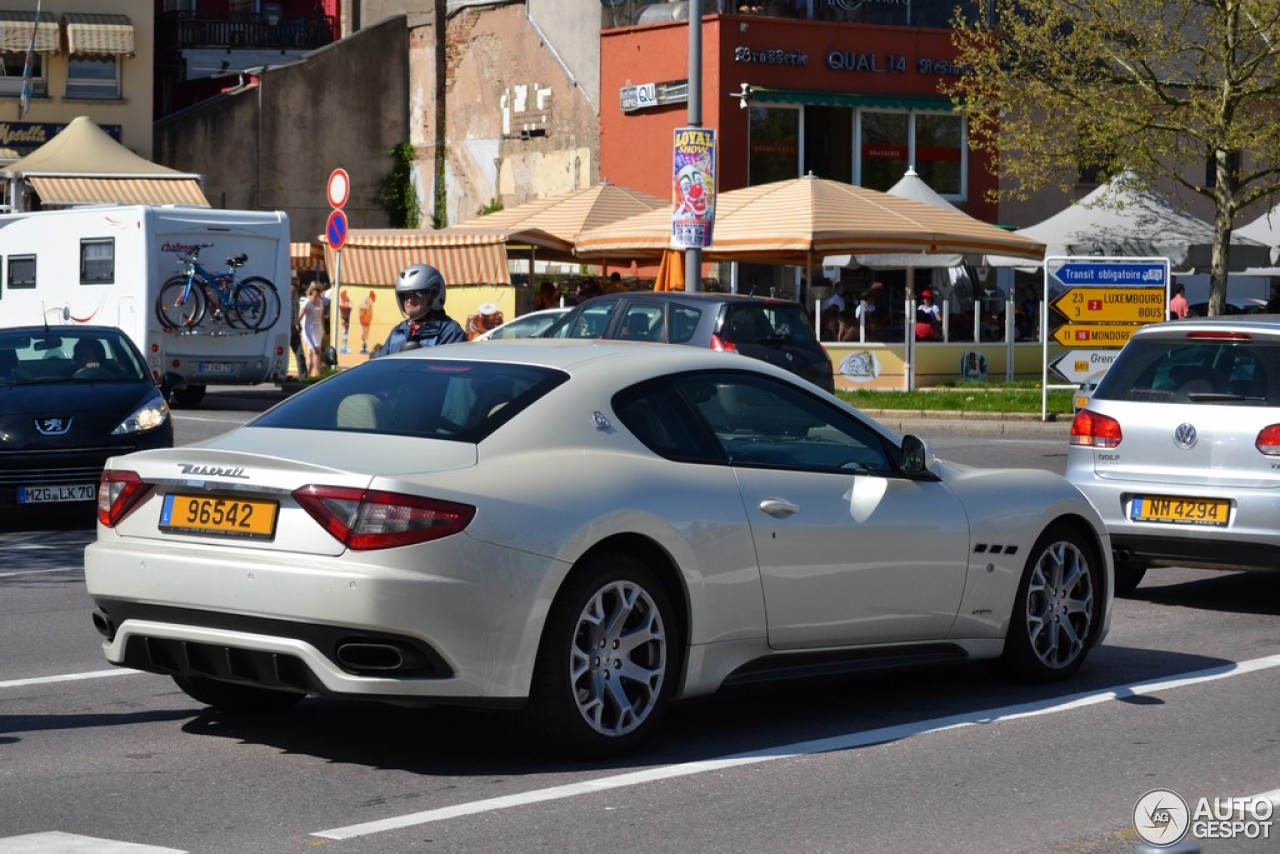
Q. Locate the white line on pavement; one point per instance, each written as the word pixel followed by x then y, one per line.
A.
pixel 69 677
pixel 822 745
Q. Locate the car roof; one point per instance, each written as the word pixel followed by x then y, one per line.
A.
pixel 1254 324
pixel 688 297
pixel 640 359
pixel 70 329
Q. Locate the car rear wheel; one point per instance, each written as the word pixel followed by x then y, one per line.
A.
pixel 604 674
pixel 1057 613
pixel 232 697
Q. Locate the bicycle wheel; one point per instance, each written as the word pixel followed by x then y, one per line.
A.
pixel 271 301
pixel 178 307
pixel 246 307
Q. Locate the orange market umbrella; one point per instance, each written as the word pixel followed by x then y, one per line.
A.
pixel 670 271
pixel 790 222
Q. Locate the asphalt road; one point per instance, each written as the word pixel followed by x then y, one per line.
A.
pixel 1181 696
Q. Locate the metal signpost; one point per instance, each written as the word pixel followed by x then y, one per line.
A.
pixel 337 189
pixel 1103 301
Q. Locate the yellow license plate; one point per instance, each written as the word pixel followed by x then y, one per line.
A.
pixel 206 514
pixel 1187 511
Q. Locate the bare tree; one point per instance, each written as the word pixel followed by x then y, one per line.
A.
pixel 1159 87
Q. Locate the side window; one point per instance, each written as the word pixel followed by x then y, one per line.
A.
pixel 587 322
pixel 21 271
pixel 98 261
pixel 14 62
pixel 93 78
pixel 760 421
pixel 641 322
pixel 660 416
pixel 684 322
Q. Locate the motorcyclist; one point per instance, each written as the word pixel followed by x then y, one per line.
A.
pixel 420 294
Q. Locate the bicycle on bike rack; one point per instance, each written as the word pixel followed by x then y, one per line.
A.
pixel 185 300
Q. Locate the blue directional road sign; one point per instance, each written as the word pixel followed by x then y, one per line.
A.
pixel 1137 274
pixel 336 230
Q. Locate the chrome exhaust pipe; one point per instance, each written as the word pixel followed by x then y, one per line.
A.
pixel 370 656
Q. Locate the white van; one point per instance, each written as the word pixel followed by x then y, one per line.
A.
pixel 107 265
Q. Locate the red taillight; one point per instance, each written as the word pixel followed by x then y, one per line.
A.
pixel 718 343
pixel 1268 441
pixel 1219 335
pixel 118 493
pixel 1095 431
pixel 368 519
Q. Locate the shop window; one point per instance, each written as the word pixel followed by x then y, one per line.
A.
pixel 884 148
pixel 93 78
pixel 939 152
pixel 828 143
pixel 775 144
pixel 98 261
pixel 11 78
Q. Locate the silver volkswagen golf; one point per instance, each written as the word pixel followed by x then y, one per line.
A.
pixel 1179 447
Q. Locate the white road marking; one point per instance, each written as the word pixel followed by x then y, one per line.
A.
pixel 803 748
pixel 69 677
pixel 56 842
pixel 41 571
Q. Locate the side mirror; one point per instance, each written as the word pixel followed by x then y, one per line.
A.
pixel 917 456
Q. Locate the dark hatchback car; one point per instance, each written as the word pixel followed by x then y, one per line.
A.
pixel 772 330
pixel 72 396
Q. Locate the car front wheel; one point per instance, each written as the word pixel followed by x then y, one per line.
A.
pixel 1057 613
pixel 604 674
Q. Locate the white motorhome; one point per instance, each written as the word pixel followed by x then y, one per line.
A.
pixel 106 265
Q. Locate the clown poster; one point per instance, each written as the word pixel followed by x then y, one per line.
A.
pixel 693 188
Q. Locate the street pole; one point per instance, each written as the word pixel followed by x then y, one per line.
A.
pixel 693 255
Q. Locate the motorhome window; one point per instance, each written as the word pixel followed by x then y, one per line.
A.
pixel 12 64
pixel 22 271
pixel 93 77
pixel 98 261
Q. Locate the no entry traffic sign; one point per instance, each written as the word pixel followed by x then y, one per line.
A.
pixel 338 188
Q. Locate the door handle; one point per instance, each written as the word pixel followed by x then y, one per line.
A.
pixel 778 508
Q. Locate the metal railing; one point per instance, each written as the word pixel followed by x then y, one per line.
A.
pixel 177 30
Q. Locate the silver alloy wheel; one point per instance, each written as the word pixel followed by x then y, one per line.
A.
pixel 1059 605
pixel 618 659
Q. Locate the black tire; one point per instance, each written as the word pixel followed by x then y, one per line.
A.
pixel 232 697
pixel 1057 613
pixel 1129 574
pixel 176 312
pixel 189 396
pixel 271 300
pixel 586 705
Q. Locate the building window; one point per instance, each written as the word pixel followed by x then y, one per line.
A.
pixel 775 145
pixel 98 261
pixel 932 143
pixel 22 271
pixel 11 78
pixel 93 78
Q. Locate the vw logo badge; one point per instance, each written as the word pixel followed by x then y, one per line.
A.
pixel 1184 436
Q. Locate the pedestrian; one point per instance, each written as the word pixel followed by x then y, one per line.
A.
pixel 311 327
pixel 295 329
pixel 1178 307
pixel 928 319
pixel 420 292
pixel 548 296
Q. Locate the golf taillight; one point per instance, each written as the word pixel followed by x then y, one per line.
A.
pixel 1092 430
pixel 363 519
pixel 118 493
pixel 718 343
pixel 1268 441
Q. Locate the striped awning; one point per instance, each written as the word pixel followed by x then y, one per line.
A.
pixel 82 190
pixel 306 256
pixel 15 32
pixel 376 256
pixel 99 34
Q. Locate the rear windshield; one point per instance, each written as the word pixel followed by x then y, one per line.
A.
pixel 430 398
pixel 764 323
pixel 1206 371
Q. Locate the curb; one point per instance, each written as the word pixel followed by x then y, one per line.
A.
pixel 1011 424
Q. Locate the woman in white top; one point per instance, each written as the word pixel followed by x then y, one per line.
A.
pixel 311 321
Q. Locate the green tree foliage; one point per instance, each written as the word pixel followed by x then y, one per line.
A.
pixel 1159 87
pixel 398 195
